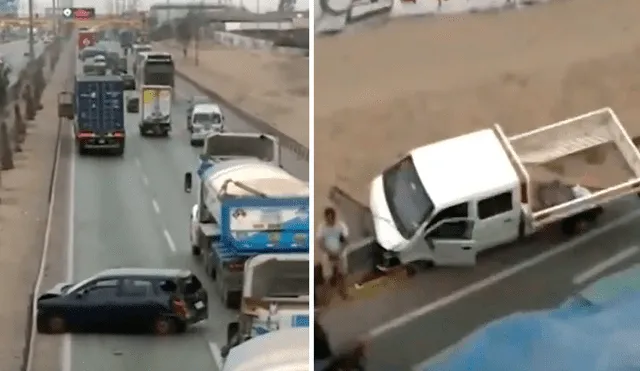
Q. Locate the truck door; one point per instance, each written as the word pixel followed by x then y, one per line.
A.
pixel 498 220
pixel 451 243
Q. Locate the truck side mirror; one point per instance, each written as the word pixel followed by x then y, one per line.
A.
pixel 188 182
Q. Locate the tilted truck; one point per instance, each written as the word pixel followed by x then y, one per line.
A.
pixel 99 121
pixel 275 296
pixel 446 202
pixel 155 110
pixel 247 206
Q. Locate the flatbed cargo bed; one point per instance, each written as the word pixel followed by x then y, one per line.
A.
pixel 592 150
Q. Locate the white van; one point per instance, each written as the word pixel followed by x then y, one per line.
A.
pixel 284 350
pixel 205 119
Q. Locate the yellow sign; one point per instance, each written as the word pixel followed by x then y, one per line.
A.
pixel 149 95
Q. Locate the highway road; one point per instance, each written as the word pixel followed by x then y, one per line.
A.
pixel 442 306
pixel 132 211
pixel 13 54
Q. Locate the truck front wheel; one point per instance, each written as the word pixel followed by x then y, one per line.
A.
pixel 195 250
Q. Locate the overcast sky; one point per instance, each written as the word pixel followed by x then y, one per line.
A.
pixel 104 6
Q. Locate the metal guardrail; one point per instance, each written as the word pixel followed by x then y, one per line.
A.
pixel 361 255
pixel 286 141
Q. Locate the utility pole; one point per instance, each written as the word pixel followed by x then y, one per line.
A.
pixel 200 15
pixel 31 40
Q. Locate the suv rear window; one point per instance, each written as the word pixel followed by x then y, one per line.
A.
pixel 189 285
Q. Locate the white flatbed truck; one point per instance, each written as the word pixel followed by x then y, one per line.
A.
pixel 445 202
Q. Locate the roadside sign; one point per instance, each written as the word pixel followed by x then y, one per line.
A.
pixel 86 42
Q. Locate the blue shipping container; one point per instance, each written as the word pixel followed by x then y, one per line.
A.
pixel 99 104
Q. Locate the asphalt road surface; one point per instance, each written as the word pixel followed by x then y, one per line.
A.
pixel 13 54
pixel 443 306
pixel 132 212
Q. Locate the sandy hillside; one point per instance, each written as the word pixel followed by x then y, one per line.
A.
pixel 414 81
pixel 272 86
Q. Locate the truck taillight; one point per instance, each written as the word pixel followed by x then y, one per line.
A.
pixel 118 135
pixel 235 266
pixel 85 134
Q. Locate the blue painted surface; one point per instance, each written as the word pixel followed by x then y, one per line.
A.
pixel 99 104
pixel 597 330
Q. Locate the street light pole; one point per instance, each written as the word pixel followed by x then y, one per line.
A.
pixel 31 40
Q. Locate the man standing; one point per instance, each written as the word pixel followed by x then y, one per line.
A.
pixel 331 238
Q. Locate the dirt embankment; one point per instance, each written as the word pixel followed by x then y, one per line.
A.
pixel 382 92
pixel 271 86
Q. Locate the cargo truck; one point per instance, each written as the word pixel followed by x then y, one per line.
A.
pixel 247 206
pixel 99 121
pixel 155 113
pixel 445 202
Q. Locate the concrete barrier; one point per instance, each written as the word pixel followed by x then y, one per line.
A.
pixel 336 16
pixel 250 43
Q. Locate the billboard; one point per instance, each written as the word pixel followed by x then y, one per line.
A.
pixel 9 7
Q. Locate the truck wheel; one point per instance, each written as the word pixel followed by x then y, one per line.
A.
pixel 82 150
pixel 142 132
pixel 193 143
pixel 195 250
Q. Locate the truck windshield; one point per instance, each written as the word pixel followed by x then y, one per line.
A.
pixel 91 53
pixel 408 201
pixel 206 118
pixel 281 279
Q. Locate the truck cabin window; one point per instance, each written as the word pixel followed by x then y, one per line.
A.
pixel 282 280
pixel 408 201
pixel 91 53
pixel 206 118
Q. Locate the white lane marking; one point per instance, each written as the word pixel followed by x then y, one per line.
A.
pixel 604 265
pixel 138 163
pixel 170 242
pixel 65 357
pixel 500 276
pixel 43 257
pixel 145 180
pixel 156 207
pixel 215 353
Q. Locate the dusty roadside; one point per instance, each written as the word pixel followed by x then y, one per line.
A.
pixel 23 214
pixel 272 86
pixel 382 92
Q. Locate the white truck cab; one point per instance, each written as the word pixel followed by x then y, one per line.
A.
pixel 445 202
pixel 285 350
pixel 206 119
pixel 275 296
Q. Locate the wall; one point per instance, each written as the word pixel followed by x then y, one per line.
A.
pixel 335 16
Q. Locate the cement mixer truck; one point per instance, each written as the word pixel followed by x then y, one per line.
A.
pixel 247 205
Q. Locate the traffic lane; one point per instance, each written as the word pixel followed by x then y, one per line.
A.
pixel 348 321
pixel 115 226
pixel 291 162
pixel 162 163
pixel 541 286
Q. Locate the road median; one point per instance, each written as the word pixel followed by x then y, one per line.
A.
pixel 25 193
